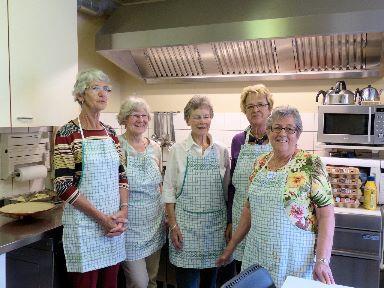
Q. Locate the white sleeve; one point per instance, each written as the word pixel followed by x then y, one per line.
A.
pixel 170 178
pixel 227 174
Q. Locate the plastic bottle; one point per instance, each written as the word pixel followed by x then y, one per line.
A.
pixel 370 194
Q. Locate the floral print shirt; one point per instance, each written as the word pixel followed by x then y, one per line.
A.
pixel 307 187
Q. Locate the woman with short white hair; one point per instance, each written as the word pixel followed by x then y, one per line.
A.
pixel 145 233
pixel 195 185
pixel 90 177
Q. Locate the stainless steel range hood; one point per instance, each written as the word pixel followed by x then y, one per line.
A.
pixel 247 40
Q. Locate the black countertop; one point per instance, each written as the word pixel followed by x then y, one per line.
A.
pixel 15 233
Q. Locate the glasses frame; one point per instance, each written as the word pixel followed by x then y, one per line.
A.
pixel 287 130
pixel 139 116
pixel 98 88
pixel 251 107
pixel 200 117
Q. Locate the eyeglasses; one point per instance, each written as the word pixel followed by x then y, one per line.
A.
pixel 258 106
pixel 97 88
pixel 138 116
pixel 288 130
pixel 200 117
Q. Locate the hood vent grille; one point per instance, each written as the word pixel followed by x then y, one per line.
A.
pixel 310 57
pixel 224 41
pixel 330 53
pixel 175 61
pixel 246 57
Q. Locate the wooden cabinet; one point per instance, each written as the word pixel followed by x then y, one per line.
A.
pixel 42 61
pixel 5 120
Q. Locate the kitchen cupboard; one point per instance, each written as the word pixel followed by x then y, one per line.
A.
pixel 42 61
pixel 39 265
pixel 5 120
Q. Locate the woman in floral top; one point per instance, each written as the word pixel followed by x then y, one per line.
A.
pixel 288 218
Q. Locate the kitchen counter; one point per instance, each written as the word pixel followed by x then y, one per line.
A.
pixel 15 233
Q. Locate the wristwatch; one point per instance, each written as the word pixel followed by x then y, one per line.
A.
pixel 321 260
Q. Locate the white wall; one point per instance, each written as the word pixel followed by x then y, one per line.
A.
pixel 225 96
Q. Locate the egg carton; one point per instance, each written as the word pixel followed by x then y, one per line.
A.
pixel 346 202
pixel 343 172
pixel 347 192
pixel 352 183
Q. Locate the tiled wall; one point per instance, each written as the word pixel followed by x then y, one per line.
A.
pixel 224 126
pixel 9 187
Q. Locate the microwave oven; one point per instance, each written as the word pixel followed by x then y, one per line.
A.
pixel 371 167
pixel 351 124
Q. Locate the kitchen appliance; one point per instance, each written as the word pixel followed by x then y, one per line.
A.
pixel 368 94
pixel 369 167
pixel 338 96
pixel 351 124
pixel 357 252
pixel 219 40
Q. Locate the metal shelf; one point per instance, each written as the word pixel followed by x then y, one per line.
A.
pixel 355 147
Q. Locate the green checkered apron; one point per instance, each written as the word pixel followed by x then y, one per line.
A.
pixel 200 214
pixel 273 241
pixel 240 179
pixel 146 230
pixel 86 247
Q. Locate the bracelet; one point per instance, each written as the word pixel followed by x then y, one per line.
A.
pixel 125 204
pixel 321 260
pixel 173 227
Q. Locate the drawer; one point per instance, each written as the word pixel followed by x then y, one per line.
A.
pixel 357 241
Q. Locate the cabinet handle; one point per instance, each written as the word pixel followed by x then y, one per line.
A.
pixel 24 118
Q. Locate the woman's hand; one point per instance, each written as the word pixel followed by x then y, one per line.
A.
pixel 110 226
pixel 176 237
pixel 228 232
pixel 121 216
pixel 226 256
pixel 322 272
pixel 120 219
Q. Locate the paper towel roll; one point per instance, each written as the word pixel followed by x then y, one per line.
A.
pixel 30 173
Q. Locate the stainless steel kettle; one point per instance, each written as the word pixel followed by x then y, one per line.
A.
pixel 326 95
pixel 368 94
pixel 344 96
pixel 338 96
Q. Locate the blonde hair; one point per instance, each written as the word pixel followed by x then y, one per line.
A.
pixel 130 105
pixel 258 89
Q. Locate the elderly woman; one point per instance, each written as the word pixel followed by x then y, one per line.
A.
pixel 256 103
pixel 197 170
pixel 145 233
pixel 289 214
pixel 90 177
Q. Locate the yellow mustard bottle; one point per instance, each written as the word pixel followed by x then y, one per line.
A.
pixel 370 194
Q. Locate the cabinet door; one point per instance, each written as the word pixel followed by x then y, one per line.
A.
pixel 5 120
pixel 43 61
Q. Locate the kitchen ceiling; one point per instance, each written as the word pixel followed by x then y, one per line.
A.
pixel 178 41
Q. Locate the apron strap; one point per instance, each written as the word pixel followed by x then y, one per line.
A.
pixel 248 132
pixel 81 128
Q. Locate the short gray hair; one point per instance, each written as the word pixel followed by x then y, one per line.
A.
pixel 129 105
pixel 85 78
pixel 197 102
pixel 282 112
